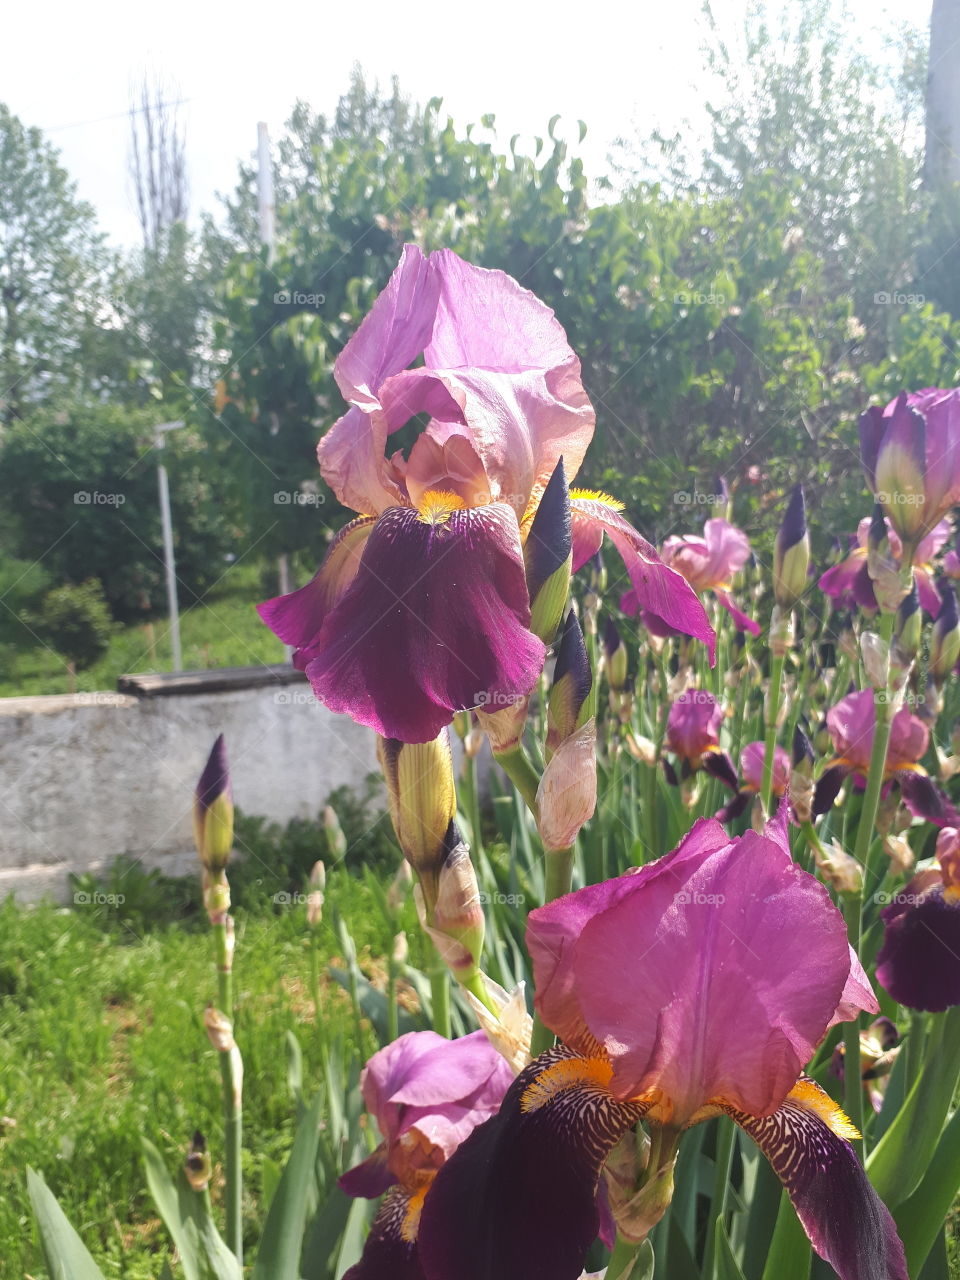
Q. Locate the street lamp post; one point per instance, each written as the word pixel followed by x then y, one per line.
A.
pixel 169 565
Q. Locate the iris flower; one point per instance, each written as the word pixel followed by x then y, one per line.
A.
pixel 708 563
pixel 696 986
pixel 851 725
pixel 421 606
pixel 919 962
pixel 849 583
pixel 426 1094
pixel 751 772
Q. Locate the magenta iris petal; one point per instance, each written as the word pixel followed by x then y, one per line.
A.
pixel 744 621
pixel 659 589
pixel 553 930
pixel 751 766
pixel 731 962
pixel 693 724
pixel 297 617
pixel 434 621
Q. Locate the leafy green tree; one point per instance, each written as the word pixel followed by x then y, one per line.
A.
pixel 82 481
pixel 53 271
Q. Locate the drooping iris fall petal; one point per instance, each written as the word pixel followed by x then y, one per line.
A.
pixel 520 1198
pixel 658 588
pixel 434 621
pixel 807 1141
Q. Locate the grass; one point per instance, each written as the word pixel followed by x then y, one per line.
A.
pixel 102 1043
pixel 222 630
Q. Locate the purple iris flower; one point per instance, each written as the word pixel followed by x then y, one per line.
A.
pixel 421 607
pixel 696 986
pixel 849 583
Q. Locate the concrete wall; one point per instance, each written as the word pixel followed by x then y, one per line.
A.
pixel 88 777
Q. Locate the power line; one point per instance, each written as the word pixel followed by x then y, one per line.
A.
pixel 120 115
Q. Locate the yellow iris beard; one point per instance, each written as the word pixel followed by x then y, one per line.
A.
pixel 596 495
pixel 436 506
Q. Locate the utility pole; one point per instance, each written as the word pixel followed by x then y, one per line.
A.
pixel 169 565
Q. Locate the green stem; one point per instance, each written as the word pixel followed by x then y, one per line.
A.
pixel 440 998
pixel 723 1162
pixel 623 1260
pixel 516 765
pixel 853 1086
pixel 770 739
pixel 558 877
pixel 232 1105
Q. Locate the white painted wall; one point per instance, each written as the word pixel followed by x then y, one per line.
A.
pixel 87 777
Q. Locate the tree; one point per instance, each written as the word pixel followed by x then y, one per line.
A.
pixel 82 481
pixel 53 267
pixel 158 163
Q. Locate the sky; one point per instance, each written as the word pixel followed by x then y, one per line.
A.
pixel 73 69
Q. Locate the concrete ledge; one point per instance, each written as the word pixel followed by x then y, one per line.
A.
pixel 168 684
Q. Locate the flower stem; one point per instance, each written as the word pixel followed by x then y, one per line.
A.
pixel 558 877
pixel 631 1261
pixel 440 998
pixel 232 1104
pixel 770 738
pixel 516 765
pixel 852 908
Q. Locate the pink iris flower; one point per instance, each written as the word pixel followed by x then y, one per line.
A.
pixel 849 583
pixel 730 965
pixel 851 724
pixel 751 767
pixel 911 456
pixel 427 1094
pixel 421 606
pixel 708 563
pixel 693 726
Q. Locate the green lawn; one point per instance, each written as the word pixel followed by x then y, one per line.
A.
pixel 102 1043
pixel 221 631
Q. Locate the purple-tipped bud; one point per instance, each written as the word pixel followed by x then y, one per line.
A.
pixel 893 448
pixel 548 556
pixel 945 641
pixel 569 704
pixel 791 559
pixel 213 810
pixel 615 654
pixel 802 749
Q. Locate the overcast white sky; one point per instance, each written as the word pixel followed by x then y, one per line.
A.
pixel 70 69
